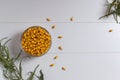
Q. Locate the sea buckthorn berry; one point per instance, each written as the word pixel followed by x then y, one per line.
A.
pixel 48 19
pixel 110 30
pixel 53 27
pixel 36 41
pixel 51 65
pixel 59 37
pixel 60 48
pixel 72 19
pixel 63 68
pixel 56 57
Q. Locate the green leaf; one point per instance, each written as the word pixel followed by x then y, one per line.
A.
pixel 6 42
pixel 113 9
pixel 107 15
pixel 18 55
pixel 32 74
pixel 5 74
pixel 41 76
pixel 7 52
pixel 115 17
pixel 3 39
pixel 110 7
pixel 20 70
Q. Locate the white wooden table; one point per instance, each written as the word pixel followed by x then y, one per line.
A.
pixel 89 52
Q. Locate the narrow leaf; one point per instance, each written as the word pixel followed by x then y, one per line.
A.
pixel 41 76
pixel 20 69
pixel 31 77
pixel 18 55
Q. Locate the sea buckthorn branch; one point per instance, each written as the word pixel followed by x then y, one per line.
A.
pixel 10 70
pixel 113 8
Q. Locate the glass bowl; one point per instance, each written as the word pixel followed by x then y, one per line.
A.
pixel 36 41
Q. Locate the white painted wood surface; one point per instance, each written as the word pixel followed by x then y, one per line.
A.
pixel 89 52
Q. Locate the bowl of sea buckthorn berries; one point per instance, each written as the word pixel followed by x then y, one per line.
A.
pixel 36 41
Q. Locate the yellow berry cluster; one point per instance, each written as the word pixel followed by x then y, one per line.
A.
pixel 36 41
